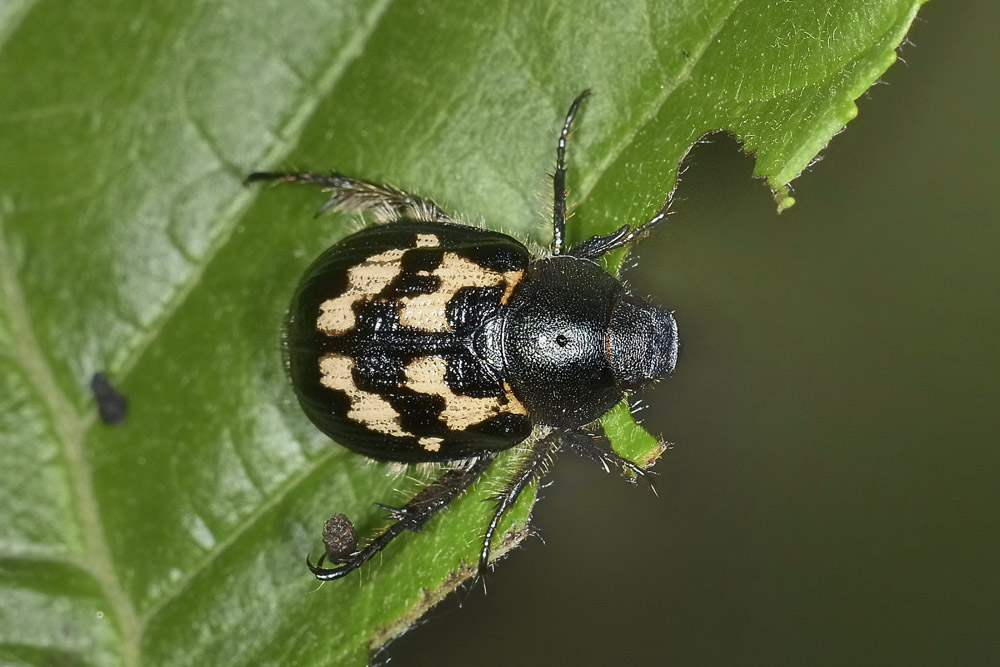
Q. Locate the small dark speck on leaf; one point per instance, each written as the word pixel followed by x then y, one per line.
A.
pixel 111 405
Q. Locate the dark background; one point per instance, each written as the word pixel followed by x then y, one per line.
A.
pixel 832 495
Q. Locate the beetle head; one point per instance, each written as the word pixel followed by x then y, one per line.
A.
pixel 641 342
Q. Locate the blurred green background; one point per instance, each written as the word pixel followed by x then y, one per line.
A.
pixel 832 496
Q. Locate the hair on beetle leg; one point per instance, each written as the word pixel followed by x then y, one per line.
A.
pixel 637 405
pixel 391 468
pixel 509 463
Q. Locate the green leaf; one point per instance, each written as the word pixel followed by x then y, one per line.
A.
pixel 128 245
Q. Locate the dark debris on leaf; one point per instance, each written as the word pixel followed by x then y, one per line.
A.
pixel 112 406
pixel 339 537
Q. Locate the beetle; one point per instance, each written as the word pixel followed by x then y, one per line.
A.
pixel 422 339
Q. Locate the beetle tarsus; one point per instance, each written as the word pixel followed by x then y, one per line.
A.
pixel 329 574
pixel 412 516
pixel 598 450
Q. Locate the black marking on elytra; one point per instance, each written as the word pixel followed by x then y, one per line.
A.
pixel 468 375
pixel 470 307
pixel 415 274
pixel 378 371
pixel 499 258
pixel 421 259
pixel 410 284
pixel 377 319
pixel 419 414
pixel 330 282
pixel 504 425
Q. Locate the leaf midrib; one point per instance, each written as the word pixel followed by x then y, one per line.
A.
pixel 71 428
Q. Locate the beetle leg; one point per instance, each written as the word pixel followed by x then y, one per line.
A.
pixel 559 178
pixel 597 246
pixel 594 448
pixel 412 516
pixel 351 195
pixel 395 513
pixel 533 467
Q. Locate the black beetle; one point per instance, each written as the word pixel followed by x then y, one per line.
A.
pixel 423 340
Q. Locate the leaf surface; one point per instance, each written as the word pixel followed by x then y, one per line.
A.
pixel 129 246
